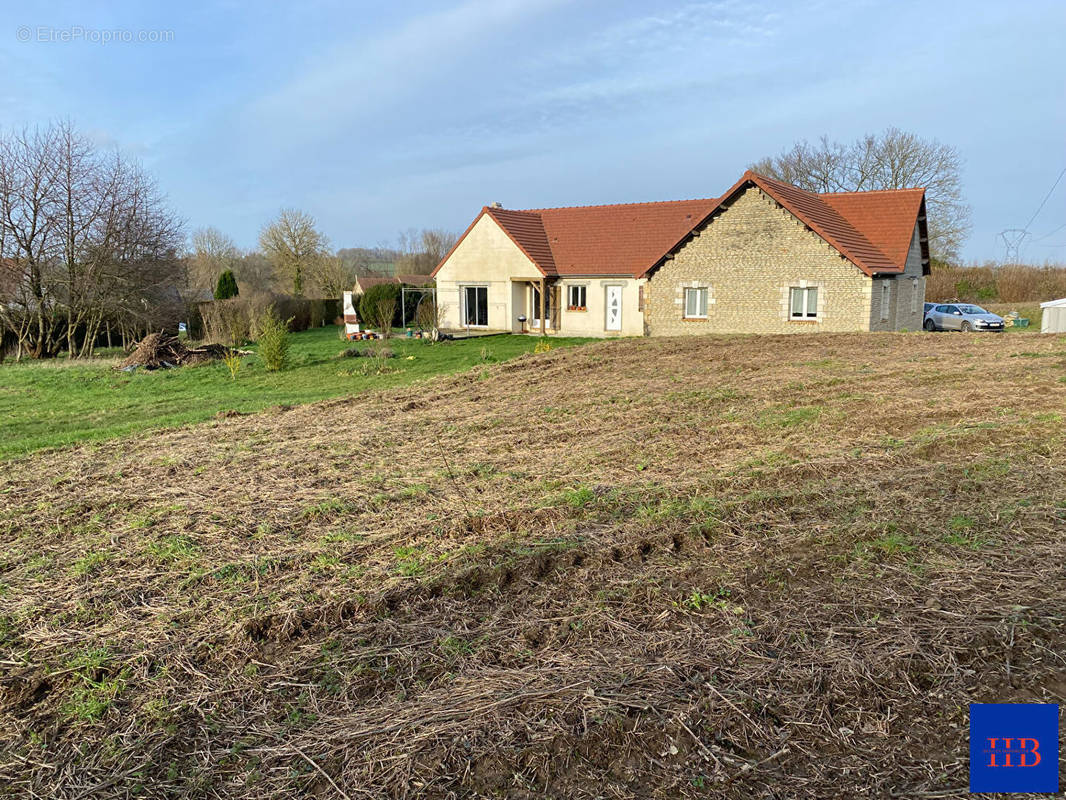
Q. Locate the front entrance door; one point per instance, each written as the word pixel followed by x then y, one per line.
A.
pixel 614 309
pixel 535 315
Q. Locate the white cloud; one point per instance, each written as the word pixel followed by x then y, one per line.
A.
pixel 353 79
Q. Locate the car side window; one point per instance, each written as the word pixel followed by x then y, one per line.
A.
pixel 941 309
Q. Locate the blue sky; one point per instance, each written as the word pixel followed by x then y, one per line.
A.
pixel 376 118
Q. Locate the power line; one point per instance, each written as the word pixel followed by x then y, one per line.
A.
pixel 1042 202
pixel 1051 233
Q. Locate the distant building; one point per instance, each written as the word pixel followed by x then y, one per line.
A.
pixel 764 257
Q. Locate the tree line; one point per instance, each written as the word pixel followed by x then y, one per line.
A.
pixel 86 240
pixel 294 256
pixel 91 253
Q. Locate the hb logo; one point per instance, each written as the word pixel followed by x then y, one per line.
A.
pixel 1014 747
pixel 1013 752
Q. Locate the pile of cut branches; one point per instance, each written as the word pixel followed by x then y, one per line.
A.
pixel 160 351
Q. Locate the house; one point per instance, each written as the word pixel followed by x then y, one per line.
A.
pixel 1054 316
pixel 364 282
pixel 765 257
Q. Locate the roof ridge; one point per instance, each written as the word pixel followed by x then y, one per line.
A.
pixel 494 209
pixel 869 191
pixel 617 205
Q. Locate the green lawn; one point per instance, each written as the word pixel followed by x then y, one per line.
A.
pixel 58 403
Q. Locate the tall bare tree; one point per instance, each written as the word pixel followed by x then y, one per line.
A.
pixel 255 271
pixel 86 238
pixel 211 253
pixel 369 260
pixel 330 276
pixel 892 159
pixel 422 250
pixel 294 245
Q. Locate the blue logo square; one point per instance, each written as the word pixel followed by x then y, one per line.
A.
pixel 1014 747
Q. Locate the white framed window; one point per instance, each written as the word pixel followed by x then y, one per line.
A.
pixel 576 298
pixel 476 306
pixel 886 291
pixel 803 302
pixel 696 303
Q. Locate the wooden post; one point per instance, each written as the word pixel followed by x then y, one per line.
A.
pixel 543 304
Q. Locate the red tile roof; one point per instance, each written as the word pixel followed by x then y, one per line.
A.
pixel 871 229
pixel 526 229
pixel 886 218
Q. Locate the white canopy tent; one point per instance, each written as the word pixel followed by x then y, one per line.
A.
pixel 1054 316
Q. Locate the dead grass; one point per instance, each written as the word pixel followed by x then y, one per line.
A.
pixel 723 567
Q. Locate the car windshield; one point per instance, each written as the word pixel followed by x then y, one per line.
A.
pixel 971 310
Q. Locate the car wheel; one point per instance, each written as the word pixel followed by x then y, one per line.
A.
pixel 966 327
pixel 930 325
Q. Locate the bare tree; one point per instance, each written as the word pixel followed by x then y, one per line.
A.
pixel 330 277
pixel 86 239
pixel 255 271
pixel 212 253
pixel 893 159
pixel 294 245
pixel 429 314
pixel 421 251
pixel 369 260
pixel 382 313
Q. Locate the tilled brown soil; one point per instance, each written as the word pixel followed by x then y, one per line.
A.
pixel 722 567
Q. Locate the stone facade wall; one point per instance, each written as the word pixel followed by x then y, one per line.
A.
pixel 906 295
pixel 749 257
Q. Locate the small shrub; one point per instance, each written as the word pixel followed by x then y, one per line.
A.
pixel 274 341
pixel 376 366
pixel 543 346
pixel 232 360
pixel 379 307
pixel 428 313
pixel 369 352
